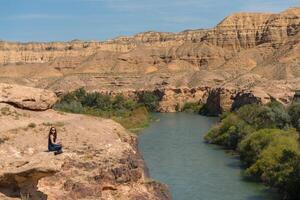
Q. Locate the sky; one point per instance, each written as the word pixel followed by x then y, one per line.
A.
pixel 64 20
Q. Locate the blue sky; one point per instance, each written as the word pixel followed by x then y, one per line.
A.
pixel 61 20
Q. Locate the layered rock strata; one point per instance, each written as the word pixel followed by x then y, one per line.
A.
pixel 100 159
pixel 245 51
pixel 238 31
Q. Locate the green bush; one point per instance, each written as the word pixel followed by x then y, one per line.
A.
pixel 118 102
pixel 149 99
pixel 249 118
pixel 252 146
pixel 294 112
pixel 192 107
pixel 266 142
pixel 270 156
pixel 128 112
pixel 285 175
pixel 229 132
pixel 97 100
pixel 269 116
pixel 77 95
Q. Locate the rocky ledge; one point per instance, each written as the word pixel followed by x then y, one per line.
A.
pixel 223 99
pixel 100 159
pixel 26 97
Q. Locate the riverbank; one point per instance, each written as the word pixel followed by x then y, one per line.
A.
pixel 175 154
pixel 94 104
pixel 131 113
pixel 267 141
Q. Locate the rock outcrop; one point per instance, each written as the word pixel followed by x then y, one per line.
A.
pixel 219 100
pixel 225 98
pixel 245 51
pixel 27 97
pixel 100 159
pixel 174 99
pixel 20 178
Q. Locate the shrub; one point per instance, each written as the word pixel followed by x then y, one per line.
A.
pixel 192 107
pixel 235 126
pixel 130 104
pixel 251 147
pixel 266 142
pixel 285 175
pixel 118 102
pixel 96 100
pixel 294 112
pixel 126 111
pixel 150 100
pixel 273 157
pixel 229 132
pixel 269 116
pixel 282 118
pixel 264 167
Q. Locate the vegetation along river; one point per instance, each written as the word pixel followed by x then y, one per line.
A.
pixel 175 154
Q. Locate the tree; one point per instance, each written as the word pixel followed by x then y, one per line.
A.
pixel 150 100
pixel 294 112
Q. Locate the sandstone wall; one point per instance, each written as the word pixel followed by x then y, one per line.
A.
pixel 238 31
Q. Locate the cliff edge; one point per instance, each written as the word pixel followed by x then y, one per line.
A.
pixel 100 159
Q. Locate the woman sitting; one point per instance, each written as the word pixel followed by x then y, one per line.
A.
pixel 53 144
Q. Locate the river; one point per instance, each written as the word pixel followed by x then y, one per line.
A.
pixel 175 154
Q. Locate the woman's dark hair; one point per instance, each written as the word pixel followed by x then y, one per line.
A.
pixel 54 134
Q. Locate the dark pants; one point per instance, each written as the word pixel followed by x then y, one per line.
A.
pixel 55 147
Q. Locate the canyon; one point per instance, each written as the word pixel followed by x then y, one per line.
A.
pixel 246 58
pixel 255 53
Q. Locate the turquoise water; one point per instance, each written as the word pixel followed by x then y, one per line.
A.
pixel 175 154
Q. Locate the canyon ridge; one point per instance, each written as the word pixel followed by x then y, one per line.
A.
pixel 246 57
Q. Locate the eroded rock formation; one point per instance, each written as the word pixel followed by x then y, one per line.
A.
pixel 100 159
pixel 27 97
pixel 252 51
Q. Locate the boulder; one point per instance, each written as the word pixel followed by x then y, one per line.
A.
pixel 27 97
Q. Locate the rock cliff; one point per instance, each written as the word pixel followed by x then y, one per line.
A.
pixel 100 159
pixel 238 31
pixel 252 51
